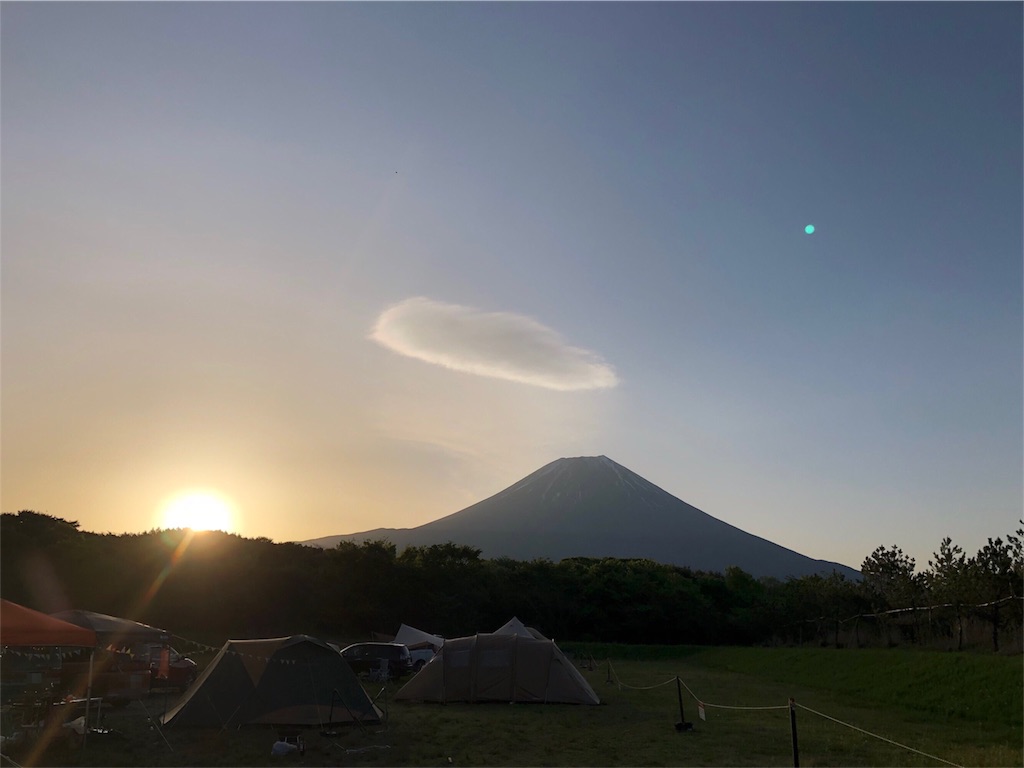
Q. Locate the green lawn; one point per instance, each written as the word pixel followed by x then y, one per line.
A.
pixel 953 686
pixel 965 709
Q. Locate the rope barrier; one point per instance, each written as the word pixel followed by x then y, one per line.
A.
pixel 696 698
pixel 875 735
pixel 647 687
pixel 705 704
pixel 725 706
pixel 621 684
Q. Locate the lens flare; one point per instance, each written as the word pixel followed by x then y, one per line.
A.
pixel 172 562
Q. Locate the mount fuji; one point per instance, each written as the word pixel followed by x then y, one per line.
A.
pixel 593 507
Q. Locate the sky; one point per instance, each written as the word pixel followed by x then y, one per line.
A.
pixel 319 268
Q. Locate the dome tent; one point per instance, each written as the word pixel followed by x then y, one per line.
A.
pixel 284 681
pixel 503 666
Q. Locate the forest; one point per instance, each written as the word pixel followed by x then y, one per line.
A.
pixel 211 586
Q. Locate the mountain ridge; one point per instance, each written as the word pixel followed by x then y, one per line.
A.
pixel 592 506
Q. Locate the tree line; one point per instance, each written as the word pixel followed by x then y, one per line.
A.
pixel 212 586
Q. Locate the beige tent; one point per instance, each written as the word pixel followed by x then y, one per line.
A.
pixel 417 638
pixel 515 627
pixel 499 667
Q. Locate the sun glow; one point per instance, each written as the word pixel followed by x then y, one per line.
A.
pixel 200 510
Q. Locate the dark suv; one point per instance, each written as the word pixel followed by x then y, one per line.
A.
pixel 379 659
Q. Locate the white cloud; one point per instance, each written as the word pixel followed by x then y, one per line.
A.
pixel 497 344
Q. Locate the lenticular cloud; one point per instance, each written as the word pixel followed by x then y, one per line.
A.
pixel 497 344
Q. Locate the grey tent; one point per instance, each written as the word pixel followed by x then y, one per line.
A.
pixel 283 681
pixel 113 631
pixel 499 667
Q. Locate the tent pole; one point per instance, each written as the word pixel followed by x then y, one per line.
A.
pixel 551 663
pixel 156 725
pixel 88 697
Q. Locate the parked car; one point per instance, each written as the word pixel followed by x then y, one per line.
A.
pixel 181 670
pixel 368 658
pixel 420 656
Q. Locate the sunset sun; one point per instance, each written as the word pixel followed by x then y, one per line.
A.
pixel 198 510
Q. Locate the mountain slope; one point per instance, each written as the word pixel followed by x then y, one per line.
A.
pixel 594 507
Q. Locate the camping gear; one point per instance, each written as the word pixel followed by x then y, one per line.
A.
pixel 283 681
pixel 21 626
pixel 499 667
pixel 119 676
pixel 124 673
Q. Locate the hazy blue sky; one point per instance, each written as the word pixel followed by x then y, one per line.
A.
pixel 361 265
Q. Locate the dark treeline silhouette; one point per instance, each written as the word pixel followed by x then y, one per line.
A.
pixel 213 586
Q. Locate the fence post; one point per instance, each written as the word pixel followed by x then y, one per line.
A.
pixel 792 725
pixel 682 725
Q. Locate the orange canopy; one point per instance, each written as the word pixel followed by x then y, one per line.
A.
pixel 23 626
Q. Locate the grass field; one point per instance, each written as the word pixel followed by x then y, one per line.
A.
pixel 965 709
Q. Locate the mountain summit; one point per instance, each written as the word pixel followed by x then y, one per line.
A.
pixel 593 507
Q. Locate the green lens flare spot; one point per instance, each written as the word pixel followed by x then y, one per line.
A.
pixel 809 229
